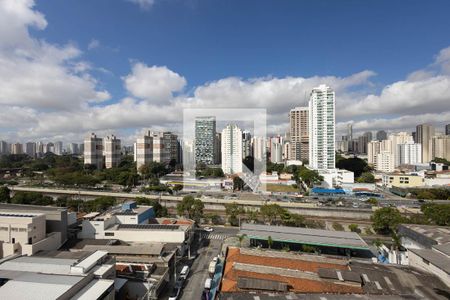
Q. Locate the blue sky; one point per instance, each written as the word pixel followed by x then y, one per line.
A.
pixel 237 52
pixel 209 40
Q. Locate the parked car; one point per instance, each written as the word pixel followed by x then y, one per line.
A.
pixel 184 272
pixel 174 293
pixel 208 283
pixel 212 267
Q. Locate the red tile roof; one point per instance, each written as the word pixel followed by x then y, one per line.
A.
pixel 301 285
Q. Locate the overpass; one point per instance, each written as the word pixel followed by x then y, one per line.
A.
pixel 211 204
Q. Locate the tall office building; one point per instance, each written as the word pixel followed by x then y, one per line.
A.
pixel 440 147
pixel 322 128
pixel 287 151
pixel 58 148
pixel 40 148
pixel 205 133
pixel 373 149
pixel 362 144
pixel 4 147
pixel 72 148
pixel 447 129
pixel 385 162
pixel 49 147
pixel 259 149
pixel 112 151
pixel 425 133
pixel 246 144
pixel 276 152
pixel 231 149
pixel 381 135
pixel 299 133
pixel 218 148
pixel 143 151
pixel 408 153
pixel 93 151
pixel 16 148
pixel 30 149
pixel 369 135
pixel 349 132
pixel 170 141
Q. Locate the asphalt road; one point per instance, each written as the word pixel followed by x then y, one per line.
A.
pixel 208 248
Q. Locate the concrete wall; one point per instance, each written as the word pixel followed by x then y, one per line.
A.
pixel 56 217
pixel 127 219
pixel 417 262
pixel 175 236
pixel 51 242
pixel 21 228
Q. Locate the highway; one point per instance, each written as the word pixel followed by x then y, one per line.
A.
pixel 217 203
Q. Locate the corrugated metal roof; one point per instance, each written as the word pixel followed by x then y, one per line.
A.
pixel 439 260
pixel 261 284
pixel 150 249
pixel 316 237
pixel 31 286
pixel 94 289
pixel 39 265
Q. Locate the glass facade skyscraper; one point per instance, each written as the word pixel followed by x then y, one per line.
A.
pixel 205 133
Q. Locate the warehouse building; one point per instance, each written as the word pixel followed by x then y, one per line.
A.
pixel 58 275
pixel 323 241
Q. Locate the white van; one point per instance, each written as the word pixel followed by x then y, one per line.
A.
pixel 208 282
pixel 184 272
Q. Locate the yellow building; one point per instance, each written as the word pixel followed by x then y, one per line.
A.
pixel 402 180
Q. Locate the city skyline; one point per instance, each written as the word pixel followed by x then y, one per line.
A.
pixel 150 91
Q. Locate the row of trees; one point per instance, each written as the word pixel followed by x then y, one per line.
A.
pixel 385 220
pixel 269 214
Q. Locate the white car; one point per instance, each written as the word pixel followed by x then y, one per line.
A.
pixel 208 229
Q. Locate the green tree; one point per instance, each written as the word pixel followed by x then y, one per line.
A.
pixel 62 201
pixel 241 238
pixel 366 177
pixel 5 194
pixel 441 160
pixel 234 211
pixel 191 207
pixel 354 228
pixel 269 242
pixel 238 184
pixel 31 198
pixel 103 203
pixel 385 220
pixel 270 212
pixel 153 170
pixel 372 201
pixel 308 249
pixel 338 226
pixel 293 220
pixel 309 177
pixel 252 214
pixel 439 214
pixel 215 219
pixel 377 243
pixel 354 164
pixel 368 231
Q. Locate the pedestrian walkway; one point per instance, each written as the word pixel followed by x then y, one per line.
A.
pixel 214 236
